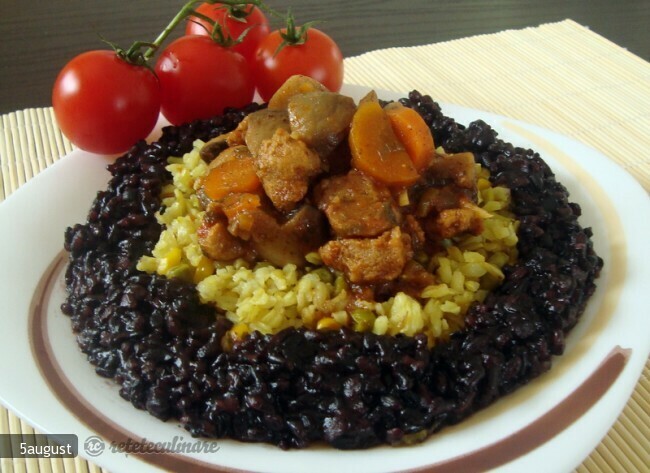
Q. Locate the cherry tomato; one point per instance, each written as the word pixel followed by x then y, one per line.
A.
pixel 104 104
pixel 198 79
pixel 319 58
pixel 234 22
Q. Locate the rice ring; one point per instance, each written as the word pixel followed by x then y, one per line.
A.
pixel 349 389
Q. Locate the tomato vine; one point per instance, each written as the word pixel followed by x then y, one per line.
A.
pixel 188 73
pixel 136 56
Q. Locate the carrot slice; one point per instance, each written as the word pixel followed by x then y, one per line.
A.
pixel 235 175
pixel 235 204
pixel 376 151
pixel 413 132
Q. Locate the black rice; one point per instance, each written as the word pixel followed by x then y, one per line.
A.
pixel 351 390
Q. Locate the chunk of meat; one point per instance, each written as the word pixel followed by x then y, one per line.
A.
pixel 236 137
pixel 240 227
pixel 294 85
pixel 413 280
pixel 437 199
pixel 261 126
pixel 303 233
pixel 452 222
pixel 412 227
pixel 369 260
pixel 288 242
pixel 285 166
pixel 459 169
pixel 321 119
pixel 357 206
pixel 217 243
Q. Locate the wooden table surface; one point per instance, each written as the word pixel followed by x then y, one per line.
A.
pixel 39 37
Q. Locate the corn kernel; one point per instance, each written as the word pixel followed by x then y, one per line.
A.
pixel 482 184
pixel 203 270
pixel 403 199
pixel 171 259
pixel 239 331
pixel 327 323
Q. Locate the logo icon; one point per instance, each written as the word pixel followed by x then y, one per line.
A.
pixel 94 446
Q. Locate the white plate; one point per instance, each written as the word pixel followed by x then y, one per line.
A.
pixel 547 422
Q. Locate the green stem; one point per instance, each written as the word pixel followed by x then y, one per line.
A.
pixel 292 35
pixel 187 10
pixel 134 54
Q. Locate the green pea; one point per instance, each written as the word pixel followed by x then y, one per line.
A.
pixel 340 285
pixel 324 275
pixel 364 319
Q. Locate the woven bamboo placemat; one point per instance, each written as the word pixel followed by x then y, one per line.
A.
pixel 560 76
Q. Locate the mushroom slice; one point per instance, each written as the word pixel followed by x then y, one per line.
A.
pixel 321 119
pixel 294 85
pixel 214 147
pixel 262 125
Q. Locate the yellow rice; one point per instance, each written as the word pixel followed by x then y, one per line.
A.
pixel 269 299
